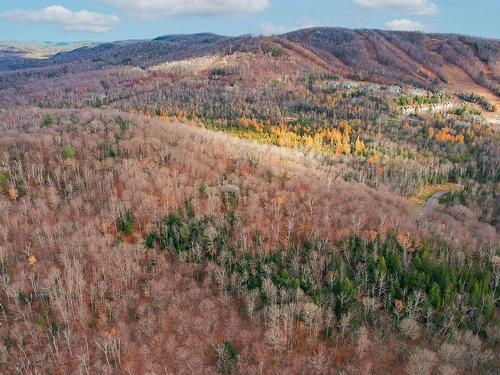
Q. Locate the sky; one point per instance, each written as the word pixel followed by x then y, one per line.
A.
pixel 107 20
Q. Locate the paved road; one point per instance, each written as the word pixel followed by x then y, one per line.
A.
pixel 433 202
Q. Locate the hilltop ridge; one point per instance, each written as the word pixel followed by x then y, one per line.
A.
pixel 457 62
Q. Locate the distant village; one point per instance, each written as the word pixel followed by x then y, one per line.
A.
pixel 411 101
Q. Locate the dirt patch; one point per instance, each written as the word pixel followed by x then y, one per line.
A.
pixel 460 81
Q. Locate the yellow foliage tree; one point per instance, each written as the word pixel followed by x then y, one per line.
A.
pixel 359 146
pixel 431 133
pixel 444 135
pixel 374 159
pixel 346 141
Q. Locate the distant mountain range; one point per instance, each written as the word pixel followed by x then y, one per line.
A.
pixel 38 50
pixel 457 62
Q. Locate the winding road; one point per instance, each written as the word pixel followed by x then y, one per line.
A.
pixel 433 202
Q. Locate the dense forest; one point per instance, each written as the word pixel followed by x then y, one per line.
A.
pixel 320 202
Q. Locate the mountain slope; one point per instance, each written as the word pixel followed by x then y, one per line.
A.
pixel 373 55
pixel 201 204
pixel 408 57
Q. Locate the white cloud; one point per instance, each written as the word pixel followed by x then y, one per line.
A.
pixel 267 28
pixel 271 29
pixel 410 7
pixel 162 8
pixel 81 21
pixel 405 24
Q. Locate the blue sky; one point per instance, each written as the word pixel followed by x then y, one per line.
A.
pixel 105 20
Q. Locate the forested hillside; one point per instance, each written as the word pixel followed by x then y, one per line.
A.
pixel 320 202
